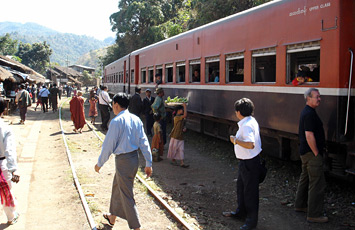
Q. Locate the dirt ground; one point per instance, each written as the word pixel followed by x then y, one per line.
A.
pixel 200 193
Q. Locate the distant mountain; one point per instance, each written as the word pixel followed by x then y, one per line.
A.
pixel 27 28
pixel 92 58
pixel 66 47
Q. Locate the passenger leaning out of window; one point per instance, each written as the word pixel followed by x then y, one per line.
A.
pixel 302 76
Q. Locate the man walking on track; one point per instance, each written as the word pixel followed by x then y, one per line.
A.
pixel 125 135
pixel 104 106
pixel 311 186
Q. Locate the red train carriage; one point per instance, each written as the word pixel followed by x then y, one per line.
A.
pixel 257 54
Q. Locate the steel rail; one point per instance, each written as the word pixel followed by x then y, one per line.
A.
pixel 175 215
pixel 76 180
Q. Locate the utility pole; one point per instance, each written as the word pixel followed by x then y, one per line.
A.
pixel 67 69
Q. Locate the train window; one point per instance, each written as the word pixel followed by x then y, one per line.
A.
pixel 150 74
pixel 303 61
pixel 235 67
pixel 169 73
pixel 143 75
pixel 120 76
pixel 180 72
pixel 132 76
pixel 159 70
pixel 195 70
pixel 264 65
pixel 212 69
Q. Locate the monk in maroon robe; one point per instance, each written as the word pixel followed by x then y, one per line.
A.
pixel 77 112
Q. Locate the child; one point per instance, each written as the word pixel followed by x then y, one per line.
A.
pixel 176 145
pixel 302 76
pixel 39 102
pixel 93 110
pixel 157 142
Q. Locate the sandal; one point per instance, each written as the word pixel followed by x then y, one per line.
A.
pixel 174 163
pixel 184 166
pixel 108 219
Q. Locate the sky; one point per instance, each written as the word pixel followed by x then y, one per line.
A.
pixel 82 17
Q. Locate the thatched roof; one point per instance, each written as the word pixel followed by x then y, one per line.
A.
pixel 74 80
pixel 67 71
pixel 4 74
pixel 29 74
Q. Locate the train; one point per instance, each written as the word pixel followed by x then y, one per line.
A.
pixel 257 54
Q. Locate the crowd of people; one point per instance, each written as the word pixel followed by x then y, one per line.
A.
pixel 247 147
pixel 126 135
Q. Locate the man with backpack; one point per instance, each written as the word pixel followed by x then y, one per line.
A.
pixel 23 100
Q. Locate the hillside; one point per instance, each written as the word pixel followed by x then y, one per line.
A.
pixel 92 58
pixel 66 47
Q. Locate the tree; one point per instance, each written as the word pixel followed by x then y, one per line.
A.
pixel 139 23
pixel 88 79
pixel 35 56
pixel 8 46
pixel 207 11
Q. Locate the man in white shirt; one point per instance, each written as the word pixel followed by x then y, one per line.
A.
pixel 247 147
pixel 104 106
pixel 44 93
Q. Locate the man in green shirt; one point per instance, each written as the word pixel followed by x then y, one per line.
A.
pixel 159 107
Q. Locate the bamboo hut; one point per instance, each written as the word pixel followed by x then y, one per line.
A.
pixel 21 71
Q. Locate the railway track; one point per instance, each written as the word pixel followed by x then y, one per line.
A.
pixel 83 199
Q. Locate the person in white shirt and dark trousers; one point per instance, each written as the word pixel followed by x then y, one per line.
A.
pixel 44 93
pixel 247 147
pixel 104 106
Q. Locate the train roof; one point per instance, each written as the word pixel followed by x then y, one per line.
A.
pixel 212 24
pixel 215 23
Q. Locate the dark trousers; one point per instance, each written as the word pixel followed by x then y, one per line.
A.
pixel 105 116
pixel 45 103
pixel 23 111
pixel 149 121
pixel 311 186
pixel 163 128
pixel 248 189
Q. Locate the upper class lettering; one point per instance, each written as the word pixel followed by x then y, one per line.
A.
pixel 310 9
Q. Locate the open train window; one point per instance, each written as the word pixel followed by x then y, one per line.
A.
pixel 264 65
pixel 195 71
pixel 235 67
pixel 159 71
pixel 143 75
pixel 180 72
pixel 212 69
pixel 303 62
pixel 150 74
pixel 169 73
pixel 132 76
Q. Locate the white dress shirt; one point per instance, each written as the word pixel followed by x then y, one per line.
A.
pixel 104 98
pixel 248 132
pixel 7 148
